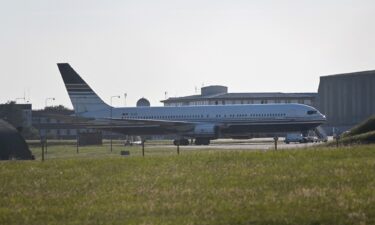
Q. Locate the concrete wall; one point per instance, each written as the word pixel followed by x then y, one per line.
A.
pixel 347 99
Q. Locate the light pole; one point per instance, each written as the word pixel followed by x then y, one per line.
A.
pixel 45 138
pixel 125 95
pixel 116 96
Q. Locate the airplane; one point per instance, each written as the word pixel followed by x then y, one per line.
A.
pixel 202 123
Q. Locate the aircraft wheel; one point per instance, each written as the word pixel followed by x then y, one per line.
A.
pixel 181 142
pixel 202 141
pixel 185 142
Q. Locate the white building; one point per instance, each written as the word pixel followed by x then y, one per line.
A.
pixel 218 95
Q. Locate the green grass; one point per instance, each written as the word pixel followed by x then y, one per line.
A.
pixel 306 186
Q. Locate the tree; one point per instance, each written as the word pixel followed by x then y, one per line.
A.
pixel 59 108
pixel 12 113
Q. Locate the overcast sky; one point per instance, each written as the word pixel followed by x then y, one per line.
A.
pixel 147 47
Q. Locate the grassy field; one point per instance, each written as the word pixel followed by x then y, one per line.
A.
pixel 305 186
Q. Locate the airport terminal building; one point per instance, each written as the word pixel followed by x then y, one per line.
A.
pixel 219 95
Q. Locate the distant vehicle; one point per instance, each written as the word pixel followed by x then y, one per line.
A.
pixel 203 123
pixel 131 143
pixel 298 137
pixel 295 137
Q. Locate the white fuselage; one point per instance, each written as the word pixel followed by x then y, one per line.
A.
pixel 216 114
pixel 244 119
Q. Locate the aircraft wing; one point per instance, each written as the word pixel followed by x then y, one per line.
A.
pixel 124 125
pixel 150 121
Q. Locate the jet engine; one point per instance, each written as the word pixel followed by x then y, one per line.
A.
pixel 206 130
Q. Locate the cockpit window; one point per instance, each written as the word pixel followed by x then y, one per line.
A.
pixel 311 112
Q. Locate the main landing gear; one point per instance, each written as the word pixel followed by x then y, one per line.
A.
pixel 181 142
pixel 202 141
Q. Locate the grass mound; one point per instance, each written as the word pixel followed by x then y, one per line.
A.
pixel 365 138
pixel 364 133
pixel 366 126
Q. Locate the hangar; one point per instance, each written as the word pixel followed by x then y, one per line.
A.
pixel 347 99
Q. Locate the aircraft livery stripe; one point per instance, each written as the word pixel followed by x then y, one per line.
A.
pixel 70 84
pixel 77 86
pixel 81 94
pixel 79 90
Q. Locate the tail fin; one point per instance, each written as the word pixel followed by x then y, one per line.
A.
pixel 83 98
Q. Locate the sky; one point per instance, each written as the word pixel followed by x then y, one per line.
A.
pixel 145 48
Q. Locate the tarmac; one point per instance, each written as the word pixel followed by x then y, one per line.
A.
pixel 250 144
